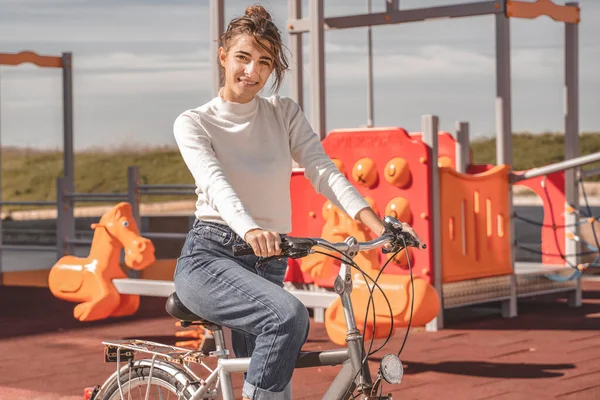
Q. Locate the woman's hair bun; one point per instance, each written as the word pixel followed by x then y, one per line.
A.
pixel 258 11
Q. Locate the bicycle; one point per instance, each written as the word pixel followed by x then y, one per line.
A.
pixel 169 369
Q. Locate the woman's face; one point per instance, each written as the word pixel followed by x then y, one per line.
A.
pixel 247 69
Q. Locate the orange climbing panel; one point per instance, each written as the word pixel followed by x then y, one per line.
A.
pixel 388 167
pixel 475 224
pixel 88 280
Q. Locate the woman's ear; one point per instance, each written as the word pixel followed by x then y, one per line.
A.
pixel 222 56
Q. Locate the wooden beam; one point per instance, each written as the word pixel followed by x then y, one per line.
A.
pixel 31 57
pixel 524 9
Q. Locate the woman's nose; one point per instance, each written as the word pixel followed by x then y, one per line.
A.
pixel 250 68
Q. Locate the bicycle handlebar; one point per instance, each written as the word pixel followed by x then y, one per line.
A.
pixel 298 247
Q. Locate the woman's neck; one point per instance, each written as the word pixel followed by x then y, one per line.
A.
pixel 239 110
pixel 230 96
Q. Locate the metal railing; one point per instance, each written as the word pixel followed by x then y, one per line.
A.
pixel 23 247
pixel 66 239
pixel 560 166
pixel 66 198
pixel 586 173
pixel 137 189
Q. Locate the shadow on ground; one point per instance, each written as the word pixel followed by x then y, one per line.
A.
pixel 488 369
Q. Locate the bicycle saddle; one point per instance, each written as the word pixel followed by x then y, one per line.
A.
pixel 176 309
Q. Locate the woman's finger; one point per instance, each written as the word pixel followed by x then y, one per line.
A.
pixel 277 244
pixel 261 244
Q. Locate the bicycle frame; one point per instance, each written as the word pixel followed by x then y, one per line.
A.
pixel 353 374
pixel 350 358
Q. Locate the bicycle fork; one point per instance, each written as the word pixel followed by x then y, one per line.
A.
pixel 343 287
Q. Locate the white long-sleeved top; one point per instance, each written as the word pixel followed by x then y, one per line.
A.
pixel 240 156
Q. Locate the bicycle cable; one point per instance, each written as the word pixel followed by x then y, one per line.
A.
pixel 353 264
pixel 371 289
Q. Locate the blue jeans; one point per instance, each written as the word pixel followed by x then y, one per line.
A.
pixel 267 322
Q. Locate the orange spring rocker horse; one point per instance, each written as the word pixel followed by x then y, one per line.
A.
pixel 89 280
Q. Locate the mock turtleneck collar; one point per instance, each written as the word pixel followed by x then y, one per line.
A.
pixel 236 109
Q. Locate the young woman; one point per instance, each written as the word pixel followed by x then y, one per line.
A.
pixel 239 148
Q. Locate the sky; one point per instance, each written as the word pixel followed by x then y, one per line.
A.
pixel 139 63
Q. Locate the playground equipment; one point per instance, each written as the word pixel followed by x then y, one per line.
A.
pixel 63 62
pixel 477 221
pixel 89 280
pixel 322 270
pixel 502 10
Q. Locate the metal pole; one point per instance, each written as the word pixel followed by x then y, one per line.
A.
pixel 69 206
pixel 430 129
pixel 568 165
pixel 317 61
pixel 67 64
pixel 392 5
pixel 133 197
pixel 370 120
pixel 590 172
pixel 68 154
pixel 462 146
pixel 1 205
pixel 62 217
pixel 133 193
pixel 296 84
pixel 391 17
pixel 572 143
pixel 504 150
pixel 504 153
pixel 217 27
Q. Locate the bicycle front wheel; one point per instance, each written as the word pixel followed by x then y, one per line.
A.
pixel 135 383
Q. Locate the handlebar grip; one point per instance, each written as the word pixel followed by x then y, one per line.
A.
pixel 243 250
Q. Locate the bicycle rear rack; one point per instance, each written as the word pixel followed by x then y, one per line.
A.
pixel 124 350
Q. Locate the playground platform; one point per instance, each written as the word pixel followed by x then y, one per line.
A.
pixel 548 351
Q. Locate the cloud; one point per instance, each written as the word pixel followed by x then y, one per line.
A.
pixel 137 63
pixel 134 62
pixel 139 84
pixel 440 62
pixel 437 62
pixel 93 21
pixel 114 74
pixel 129 73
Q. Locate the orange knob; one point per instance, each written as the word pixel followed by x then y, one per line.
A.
pixel 445 161
pixel 399 208
pixel 365 173
pixel 397 172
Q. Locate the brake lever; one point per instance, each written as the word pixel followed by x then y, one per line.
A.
pixel 271 258
pixel 407 241
pixel 292 254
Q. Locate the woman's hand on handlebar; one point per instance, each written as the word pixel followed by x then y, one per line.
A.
pixel 404 235
pixel 264 243
pixel 410 230
pixel 389 225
